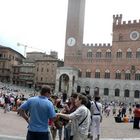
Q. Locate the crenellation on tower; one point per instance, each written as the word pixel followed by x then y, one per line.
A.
pixel 114 19
pixel 120 19
pixel 104 44
pixel 129 22
pixel 124 22
pixel 117 19
pixel 135 21
pixel 109 45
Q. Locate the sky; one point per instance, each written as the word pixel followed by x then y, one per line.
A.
pixel 41 24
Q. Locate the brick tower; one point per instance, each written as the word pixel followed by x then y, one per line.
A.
pixel 75 27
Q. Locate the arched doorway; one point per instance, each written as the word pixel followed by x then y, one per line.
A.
pixel 64 83
pixel 96 91
pixel 78 89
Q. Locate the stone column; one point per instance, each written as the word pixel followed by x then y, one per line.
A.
pixel 70 87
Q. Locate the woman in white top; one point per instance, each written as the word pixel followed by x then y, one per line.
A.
pixel 96 112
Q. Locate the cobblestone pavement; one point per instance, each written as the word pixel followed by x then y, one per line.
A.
pixel 13 127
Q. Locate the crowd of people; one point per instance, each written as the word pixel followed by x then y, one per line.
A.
pixel 77 117
pixel 10 98
pixel 124 113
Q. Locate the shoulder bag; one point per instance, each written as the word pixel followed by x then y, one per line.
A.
pixel 83 119
pixel 98 110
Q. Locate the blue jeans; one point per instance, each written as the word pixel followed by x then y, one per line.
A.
pixel 37 135
pixel 67 132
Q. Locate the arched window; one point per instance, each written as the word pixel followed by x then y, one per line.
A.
pixel 107 74
pixel 127 75
pixel 97 73
pixel 98 53
pixel 118 74
pixel 129 53
pixel 117 92
pixel 88 73
pixel 137 94
pixel 126 93
pixel 89 54
pixel 138 53
pixel 78 89
pixel 108 53
pixel 41 79
pixel 79 73
pixel 106 91
pixel 119 54
pixel 137 75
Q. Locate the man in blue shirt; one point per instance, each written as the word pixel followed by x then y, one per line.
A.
pixel 40 110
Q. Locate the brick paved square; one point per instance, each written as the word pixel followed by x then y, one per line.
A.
pixel 14 125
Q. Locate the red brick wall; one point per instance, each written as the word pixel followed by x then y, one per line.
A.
pixel 75 59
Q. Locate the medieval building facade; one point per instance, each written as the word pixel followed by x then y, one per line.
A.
pixel 113 69
pixel 38 69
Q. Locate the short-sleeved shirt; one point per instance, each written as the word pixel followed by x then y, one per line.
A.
pixel 94 109
pixel 40 110
pixel 78 116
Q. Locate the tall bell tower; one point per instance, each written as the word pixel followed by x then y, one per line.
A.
pixel 75 25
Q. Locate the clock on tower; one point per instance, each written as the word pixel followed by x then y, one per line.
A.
pixel 71 41
pixel 75 23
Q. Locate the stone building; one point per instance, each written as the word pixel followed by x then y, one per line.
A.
pixel 112 69
pixel 34 71
pixel 38 69
pixel 23 74
pixel 45 70
pixel 8 58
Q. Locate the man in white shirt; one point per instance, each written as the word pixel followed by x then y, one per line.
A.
pixel 96 112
